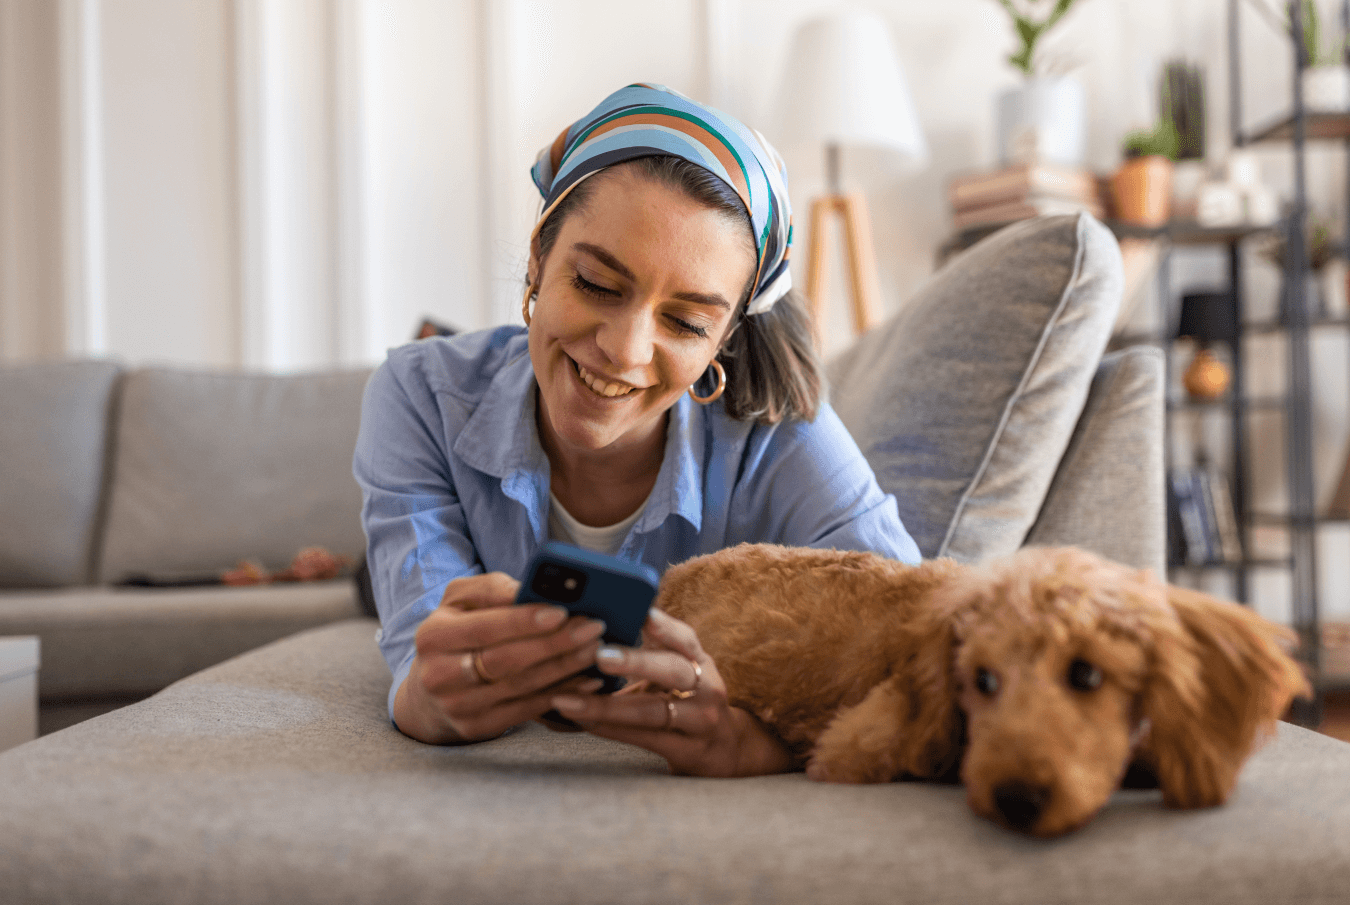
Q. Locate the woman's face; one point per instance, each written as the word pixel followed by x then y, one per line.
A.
pixel 634 300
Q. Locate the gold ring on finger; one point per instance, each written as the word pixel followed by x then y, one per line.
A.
pixel 680 695
pixel 670 715
pixel 480 669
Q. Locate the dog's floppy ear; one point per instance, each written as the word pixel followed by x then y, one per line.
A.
pixel 1220 680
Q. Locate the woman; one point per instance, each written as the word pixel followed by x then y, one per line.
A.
pixel 658 267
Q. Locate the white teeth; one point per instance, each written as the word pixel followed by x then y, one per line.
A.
pixel 601 387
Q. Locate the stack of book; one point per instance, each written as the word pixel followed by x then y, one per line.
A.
pixel 995 197
pixel 1205 529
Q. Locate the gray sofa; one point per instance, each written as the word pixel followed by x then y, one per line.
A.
pixel 987 407
pixel 124 490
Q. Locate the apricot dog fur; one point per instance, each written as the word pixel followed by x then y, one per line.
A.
pixel 1043 675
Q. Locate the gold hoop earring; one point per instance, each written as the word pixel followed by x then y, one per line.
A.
pixel 525 303
pixel 715 394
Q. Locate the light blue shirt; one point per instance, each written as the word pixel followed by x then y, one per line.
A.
pixel 455 481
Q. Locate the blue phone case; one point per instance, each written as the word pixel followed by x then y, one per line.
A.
pixel 607 588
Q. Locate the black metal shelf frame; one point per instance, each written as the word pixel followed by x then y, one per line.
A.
pixel 1296 129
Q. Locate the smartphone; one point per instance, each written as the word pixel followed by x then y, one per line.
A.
pixel 592 584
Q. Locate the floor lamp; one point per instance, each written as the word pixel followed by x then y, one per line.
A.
pixel 843 86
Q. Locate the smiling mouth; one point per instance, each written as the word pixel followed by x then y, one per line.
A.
pixel 601 387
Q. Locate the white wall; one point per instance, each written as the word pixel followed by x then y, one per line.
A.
pixel 31 317
pixel 292 183
pixel 289 184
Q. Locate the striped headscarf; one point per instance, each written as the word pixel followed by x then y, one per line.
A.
pixel 653 120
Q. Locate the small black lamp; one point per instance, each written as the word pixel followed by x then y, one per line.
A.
pixel 1207 318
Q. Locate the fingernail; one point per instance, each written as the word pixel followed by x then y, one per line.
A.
pixel 588 631
pixel 568 703
pixel 590 686
pixel 550 617
pixel 609 654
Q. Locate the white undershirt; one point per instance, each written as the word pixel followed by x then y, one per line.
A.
pixel 563 526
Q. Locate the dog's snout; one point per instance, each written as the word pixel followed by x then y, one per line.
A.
pixel 1021 804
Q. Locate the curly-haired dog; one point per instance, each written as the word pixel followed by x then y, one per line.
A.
pixel 1043 675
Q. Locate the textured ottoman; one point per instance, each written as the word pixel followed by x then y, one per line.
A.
pixel 276 777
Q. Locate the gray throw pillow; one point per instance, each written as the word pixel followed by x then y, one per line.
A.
pixel 965 400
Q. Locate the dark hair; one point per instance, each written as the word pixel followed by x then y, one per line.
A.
pixel 772 365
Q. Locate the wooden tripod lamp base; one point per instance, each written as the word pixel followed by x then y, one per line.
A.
pixel 862 262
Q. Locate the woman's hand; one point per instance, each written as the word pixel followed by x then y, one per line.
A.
pixel 484 665
pixel 676 706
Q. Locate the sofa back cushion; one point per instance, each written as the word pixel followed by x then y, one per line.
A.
pixel 214 468
pixel 1114 465
pixel 54 421
pixel 964 401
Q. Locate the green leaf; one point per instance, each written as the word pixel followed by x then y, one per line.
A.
pixel 1060 9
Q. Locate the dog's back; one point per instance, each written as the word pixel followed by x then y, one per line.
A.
pixel 798 634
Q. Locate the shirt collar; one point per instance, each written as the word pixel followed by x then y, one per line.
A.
pixel 500 438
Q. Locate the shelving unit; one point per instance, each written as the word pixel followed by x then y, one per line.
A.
pixel 1296 129
pixel 1296 324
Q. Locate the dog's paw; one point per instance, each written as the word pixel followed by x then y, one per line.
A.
pixel 823 770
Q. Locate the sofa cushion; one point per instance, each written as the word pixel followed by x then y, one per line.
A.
pixel 53 439
pixel 964 401
pixel 102 642
pixel 276 777
pixel 212 468
pixel 1114 464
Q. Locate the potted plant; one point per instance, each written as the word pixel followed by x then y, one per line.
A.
pixel 1326 80
pixel 1142 188
pixel 1182 103
pixel 1044 118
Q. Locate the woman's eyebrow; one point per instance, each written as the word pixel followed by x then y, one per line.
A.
pixel 605 258
pixel 702 298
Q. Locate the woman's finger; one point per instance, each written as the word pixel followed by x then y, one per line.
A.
pixel 474 592
pixel 670 632
pixel 447 629
pixel 663 668
pixel 474 725
pixel 537 678
pixel 641 712
pixel 512 658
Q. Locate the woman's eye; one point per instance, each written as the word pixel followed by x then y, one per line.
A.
pixel 595 289
pixel 691 329
pixel 986 682
pixel 1083 676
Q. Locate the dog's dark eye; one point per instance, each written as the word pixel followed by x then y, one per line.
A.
pixel 986 682
pixel 1084 676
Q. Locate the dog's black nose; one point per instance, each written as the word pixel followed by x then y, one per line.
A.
pixel 1020 804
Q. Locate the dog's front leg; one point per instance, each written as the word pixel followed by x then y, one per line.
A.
pixel 864 743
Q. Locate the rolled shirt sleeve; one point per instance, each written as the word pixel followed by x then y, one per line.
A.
pixel 416 537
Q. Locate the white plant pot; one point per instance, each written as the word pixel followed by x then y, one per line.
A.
pixel 1043 119
pixel 1326 89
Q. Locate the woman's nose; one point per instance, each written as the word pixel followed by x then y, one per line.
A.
pixel 627 338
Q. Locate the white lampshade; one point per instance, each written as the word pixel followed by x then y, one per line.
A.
pixel 842 85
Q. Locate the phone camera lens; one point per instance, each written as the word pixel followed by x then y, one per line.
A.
pixel 570 584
